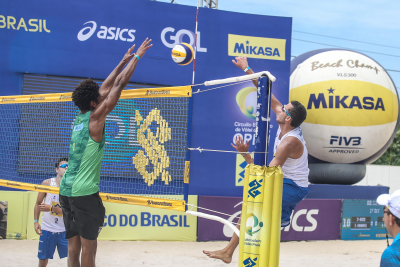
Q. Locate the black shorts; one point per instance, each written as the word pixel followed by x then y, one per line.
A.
pixel 83 216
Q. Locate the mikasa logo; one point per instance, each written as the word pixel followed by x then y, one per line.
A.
pixel 110 33
pixel 321 101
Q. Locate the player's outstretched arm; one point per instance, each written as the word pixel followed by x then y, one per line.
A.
pixel 241 63
pixel 99 114
pixel 108 83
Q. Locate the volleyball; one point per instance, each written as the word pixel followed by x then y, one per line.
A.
pixel 352 105
pixel 182 54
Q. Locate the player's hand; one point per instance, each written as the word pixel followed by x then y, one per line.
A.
pixel 128 54
pixel 241 62
pixel 38 229
pixel 144 47
pixel 239 145
pixel 44 207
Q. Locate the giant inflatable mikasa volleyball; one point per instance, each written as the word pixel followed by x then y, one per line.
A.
pixel 352 112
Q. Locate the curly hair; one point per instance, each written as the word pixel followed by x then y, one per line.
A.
pixel 86 92
pixel 298 113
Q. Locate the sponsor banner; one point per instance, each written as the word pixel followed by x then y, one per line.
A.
pixel 256 47
pixel 128 222
pixel 121 222
pixel 362 219
pixel 209 230
pixel 182 91
pixel 313 219
pixel 59 38
pixel 36 98
pixel 160 203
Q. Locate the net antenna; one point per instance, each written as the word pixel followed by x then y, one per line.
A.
pixel 263 119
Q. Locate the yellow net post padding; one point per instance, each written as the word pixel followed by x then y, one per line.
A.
pixel 260 229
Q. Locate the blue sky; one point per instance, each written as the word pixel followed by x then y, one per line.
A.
pixel 369 21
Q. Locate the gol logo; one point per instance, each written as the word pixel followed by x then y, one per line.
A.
pixel 247 101
pixel 110 33
pixel 178 38
pixel 253 226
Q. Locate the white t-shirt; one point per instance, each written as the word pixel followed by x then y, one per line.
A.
pixel 295 169
pixel 51 221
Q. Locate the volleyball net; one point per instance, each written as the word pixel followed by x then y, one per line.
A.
pixel 147 150
pixel 144 154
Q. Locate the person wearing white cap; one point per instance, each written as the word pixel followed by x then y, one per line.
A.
pixel 391 217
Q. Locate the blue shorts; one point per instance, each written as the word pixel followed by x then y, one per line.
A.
pixel 291 196
pixel 48 243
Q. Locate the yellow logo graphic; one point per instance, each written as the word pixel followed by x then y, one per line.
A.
pixel 56 204
pixel 256 47
pixel 153 146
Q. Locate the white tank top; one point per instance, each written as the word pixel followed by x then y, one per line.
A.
pixel 51 221
pixel 295 169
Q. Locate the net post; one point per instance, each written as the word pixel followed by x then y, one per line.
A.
pixel 263 121
pixel 187 159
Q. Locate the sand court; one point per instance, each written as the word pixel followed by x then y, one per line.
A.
pixel 175 254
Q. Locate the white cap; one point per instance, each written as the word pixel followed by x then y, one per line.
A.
pixel 392 201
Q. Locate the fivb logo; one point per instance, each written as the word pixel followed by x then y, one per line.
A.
pixel 256 47
pixel 249 262
pixel 110 33
pixel 254 186
pixel 167 33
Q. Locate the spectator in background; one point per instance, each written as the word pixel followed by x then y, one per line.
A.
pixel 391 217
pixel 52 230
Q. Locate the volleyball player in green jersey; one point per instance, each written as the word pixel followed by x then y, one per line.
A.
pixel 83 210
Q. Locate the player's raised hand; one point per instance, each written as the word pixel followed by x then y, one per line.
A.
pixel 241 62
pixel 128 54
pixel 144 47
pixel 240 146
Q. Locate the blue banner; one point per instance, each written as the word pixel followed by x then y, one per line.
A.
pixel 88 39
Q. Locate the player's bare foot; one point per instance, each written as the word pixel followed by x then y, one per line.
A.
pixel 219 254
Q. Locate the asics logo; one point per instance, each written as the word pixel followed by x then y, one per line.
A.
pixel 110 33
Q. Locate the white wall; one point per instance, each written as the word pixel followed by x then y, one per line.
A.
pixel 382 175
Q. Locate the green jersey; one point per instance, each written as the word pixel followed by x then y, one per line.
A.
pixel 85 155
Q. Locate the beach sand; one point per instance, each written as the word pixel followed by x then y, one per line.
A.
pixel 176 254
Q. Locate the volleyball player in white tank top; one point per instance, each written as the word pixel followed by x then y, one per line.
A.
pixel 290 152
pixel 52 230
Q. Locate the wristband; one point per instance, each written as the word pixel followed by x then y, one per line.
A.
pixel 247 153
pixel 246 69
pixel 35 221
pixel 136 56
pixel 51 209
